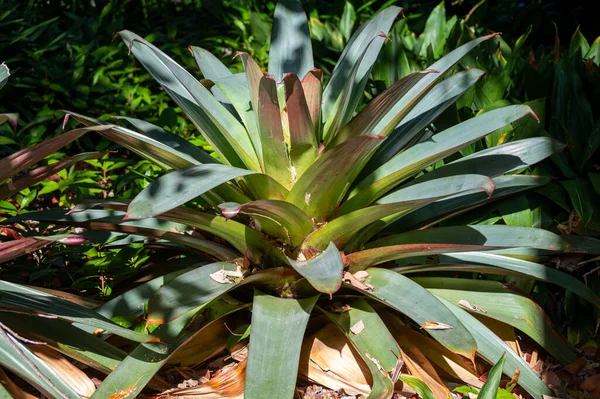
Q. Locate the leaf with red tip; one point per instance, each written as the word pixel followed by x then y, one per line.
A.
pixel 180 186
pixel 342 229
pixel 369 117
pixel 278 219
pixel 312 84
pixel 43 172
pixel 275 157
pixel 303 139
pixel 21 160
pixel 416 158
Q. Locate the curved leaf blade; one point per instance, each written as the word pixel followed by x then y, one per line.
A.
pixel 278 326
pixel 291 49
pixel 409 298
pixel 323 271
pixel 178 187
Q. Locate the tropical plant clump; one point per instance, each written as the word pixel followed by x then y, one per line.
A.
pixel 301 215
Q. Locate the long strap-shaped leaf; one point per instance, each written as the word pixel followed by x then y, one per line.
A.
pixel 180 186
pixel 367 119
pixel 434 213
pixel 344 228
pixel 489 390
pixel 34 301
pixel 174 143
pixel 318 191
pixel 278 219
pixel 409 298
pixel 498 301
pixel 290 50
pixel 496 263
pixel 360 49
pixel 303 135
pixel 21 160
pixel 15 248
pixel 278 326
pixel 424 85
pixel 436 101
pixel 491 348
pixel 136 370
pixel 67 339
pixel 323 271
pixel 43 172
pixel 274 151
pixel 501 159
pixel 165 149
pixel 220 128
pixel 312 85
pixel 371 338
pixel 20 360
pixel 212 69
pixel 425 153
pixel 490 236
pixel 236 89
pixel 111 221
pixel 361 260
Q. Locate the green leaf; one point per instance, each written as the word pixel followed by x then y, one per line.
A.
pixel 582 197
pixel 188 291
pixel 419 386
pixel 236 89
pixel 4 74
pixel 434 34
pixel 409 298
pixel 34 301
pixel 136 370
pixel 69 340
pixel 220 128
pixel 275 157
pixel 496 263
pixel 594 52
pixel 210 66
pixel 303 136
pixel 490 236
pixel 445 208
pixel 425 153
pixel 496 300
pixel 390 207
pixel 579 45
pixel 279 219
pixel 369 117
pixel 318 191
pixel 178 187
pixel 436 101
pixel 246 240
pixel 427 83
pixel 101 220
pixel 371 338
pixel 33 370
pixel 278 326
pixel 323 271
pixel 489 390
pixel 362 49
pixel 491 348
pixel 290 50
pixel 347 20
pixel 161 138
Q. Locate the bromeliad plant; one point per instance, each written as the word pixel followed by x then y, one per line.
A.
pixel 300 215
